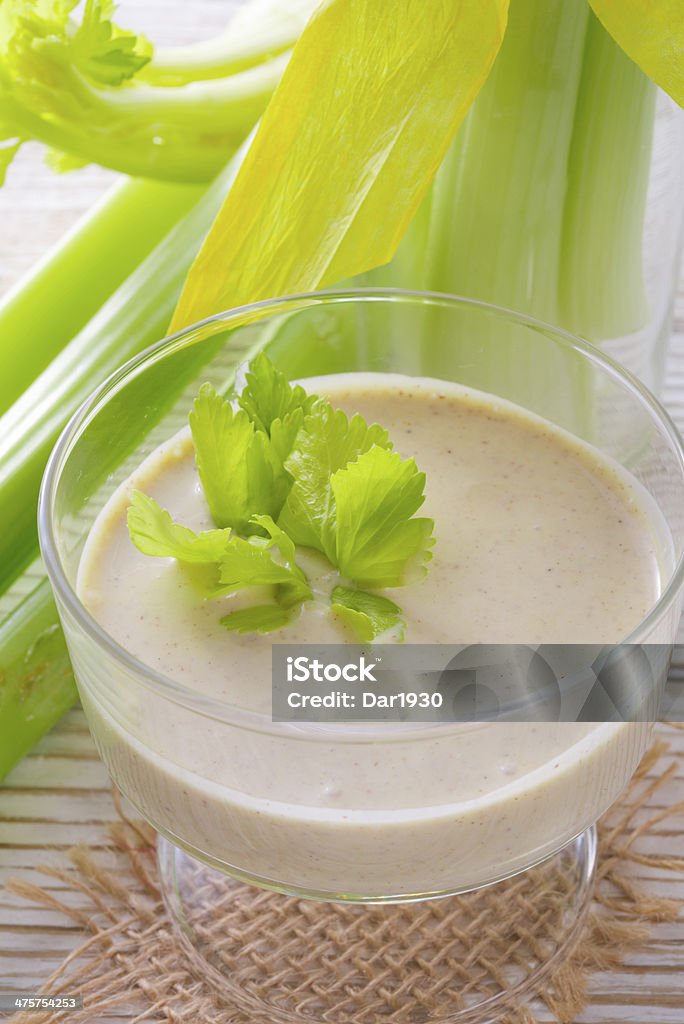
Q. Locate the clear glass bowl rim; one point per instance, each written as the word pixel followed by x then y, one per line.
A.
pixel 242 315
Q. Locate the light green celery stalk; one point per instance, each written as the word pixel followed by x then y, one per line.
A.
pixel 539 205
pixel 602 292
pixel 183 134
pixel 47 307
pixel 256 33
pixel 36 682
pixel 497 204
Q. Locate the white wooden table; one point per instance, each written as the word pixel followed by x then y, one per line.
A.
pixel 60 794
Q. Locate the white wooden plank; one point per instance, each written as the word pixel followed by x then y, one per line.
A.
pixel 601 1012
pixel 62 806
pixel 59 772
pixel 47 834
pixel 24 917
pixel 68 742
pixel 45 942
pixel 14 859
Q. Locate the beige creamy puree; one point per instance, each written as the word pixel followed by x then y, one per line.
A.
pixel 538 539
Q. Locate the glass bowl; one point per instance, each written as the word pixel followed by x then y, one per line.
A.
pixel 237 792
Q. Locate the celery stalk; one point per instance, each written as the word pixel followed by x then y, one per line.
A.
pixel 66 288
pixel 497 206
pixel 136 315
pixel 602 293
pixel 214 58
pixel 256 33
pixel 540 202
pixel 178 134
pixel 36 681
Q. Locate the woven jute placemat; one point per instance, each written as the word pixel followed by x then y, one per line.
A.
pixel 338 964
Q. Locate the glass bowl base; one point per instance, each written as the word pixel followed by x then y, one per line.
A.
pixel 463 959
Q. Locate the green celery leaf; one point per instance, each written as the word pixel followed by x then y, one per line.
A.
pixel 328 442
pixel 298 589
pixel 102 52
pixel 278 408
pixel 378 543
pixel 235 462
pixel 350 497
pixel 154 532
pixel 652 34
pixel 281 540
pixel 283 436
pixel 251 563
pixel 262 618
pixel 360 122
pixel 368 615
pixel 268 395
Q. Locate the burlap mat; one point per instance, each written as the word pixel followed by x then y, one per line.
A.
pixel 348 963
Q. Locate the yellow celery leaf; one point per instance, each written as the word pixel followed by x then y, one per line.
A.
pixel 651 32
pixel 346 149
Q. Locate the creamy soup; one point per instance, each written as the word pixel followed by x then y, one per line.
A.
pixel 538 540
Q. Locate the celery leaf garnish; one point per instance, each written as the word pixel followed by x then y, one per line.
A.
pixel 154 532
pixel 367 615
pixel 268 395
pixel 283 470
pixel 377 539
pixel 281 540
pixel 261 618
pixel 235 463
pixel 241 448
pixel 252 563
pixel 278 409
pixel 328 442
